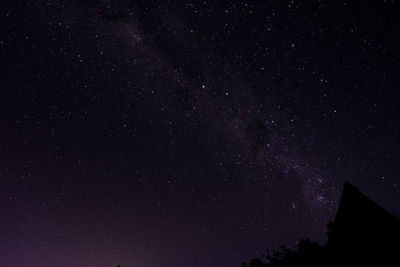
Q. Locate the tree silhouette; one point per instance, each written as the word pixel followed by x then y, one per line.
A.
pixel 362 233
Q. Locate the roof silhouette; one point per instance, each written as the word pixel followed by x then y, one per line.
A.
pixel 363 230
pixel 362 233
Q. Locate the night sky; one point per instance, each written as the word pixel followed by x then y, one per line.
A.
pixel 190 133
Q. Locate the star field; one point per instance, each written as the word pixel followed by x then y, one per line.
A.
pixel 190 133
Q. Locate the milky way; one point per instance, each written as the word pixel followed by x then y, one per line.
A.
pixel 190 133
pixel 255 135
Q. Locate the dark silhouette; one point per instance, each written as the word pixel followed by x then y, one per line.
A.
pixel 362 233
